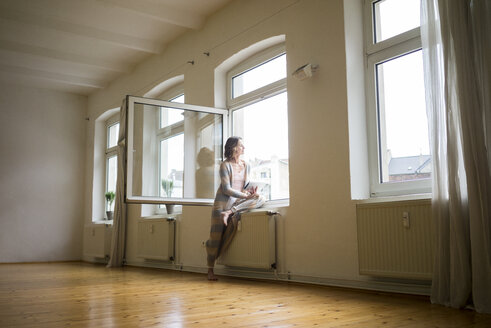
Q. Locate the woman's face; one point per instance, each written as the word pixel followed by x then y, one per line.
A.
pixel 239 149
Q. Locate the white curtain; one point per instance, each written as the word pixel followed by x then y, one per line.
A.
pixel 456 37
pixel 118 242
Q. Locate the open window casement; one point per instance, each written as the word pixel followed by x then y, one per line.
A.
pixel 173 152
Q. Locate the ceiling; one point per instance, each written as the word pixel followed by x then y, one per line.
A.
pixel 79 46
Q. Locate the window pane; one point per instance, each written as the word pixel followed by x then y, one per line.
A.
pixel 169 116
pixel 393 17
pixel 111 176
pixel 178 99
pixel 259 76
pixel 403 128
pixel 172 166
pixel 266 143
pixel 112 135
pixel 172 152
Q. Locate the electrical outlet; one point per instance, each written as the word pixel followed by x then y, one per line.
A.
pixel 405 219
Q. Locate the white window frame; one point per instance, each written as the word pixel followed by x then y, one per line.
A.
pixel 375 53
pixel 264 92
pixel 109 152
pixel 259 94
pixel 138 199
pixel 167 133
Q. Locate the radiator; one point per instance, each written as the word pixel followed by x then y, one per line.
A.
pixel 395 239
pixel 97 240
pixel 156 239
pixel 254 244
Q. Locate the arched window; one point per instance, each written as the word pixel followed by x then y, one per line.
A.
pixel 257 101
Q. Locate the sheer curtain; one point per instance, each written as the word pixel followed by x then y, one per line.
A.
pixel 118 241
pixel 456 37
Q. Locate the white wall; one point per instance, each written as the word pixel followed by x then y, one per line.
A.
pixel 318 229
pixel 42 159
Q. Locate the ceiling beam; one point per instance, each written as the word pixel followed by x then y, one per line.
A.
pixel 63 56
pixel 63 78
pixel 160 12
pixel 58 25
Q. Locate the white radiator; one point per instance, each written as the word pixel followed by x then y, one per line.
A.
pixel 254 244
pixel 395 239
pixel 156 239
pixel 97 240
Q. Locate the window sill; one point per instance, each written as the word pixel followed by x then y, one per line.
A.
pixel 160 216
pixel 106 222
pixel 388 199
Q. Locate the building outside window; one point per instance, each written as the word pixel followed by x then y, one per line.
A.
pixel 257 100
pixel 400 161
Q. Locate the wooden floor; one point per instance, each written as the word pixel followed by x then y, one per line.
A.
pixel 87 295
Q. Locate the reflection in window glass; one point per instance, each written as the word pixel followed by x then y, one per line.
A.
pixel 112 135
pixel 403 129
pixel 259 76
pixel 172 166
pixel 266 146
pixel 393 17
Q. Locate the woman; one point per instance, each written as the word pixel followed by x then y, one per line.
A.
pixel 231 198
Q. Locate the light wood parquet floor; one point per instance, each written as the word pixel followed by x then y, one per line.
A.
pixel 77 294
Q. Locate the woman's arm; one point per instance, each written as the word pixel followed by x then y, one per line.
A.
pixel 225 179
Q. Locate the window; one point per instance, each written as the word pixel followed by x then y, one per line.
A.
pixel 257 100
pixel 174 149
pixel 112 135
pixel 400 162
pixel 171 150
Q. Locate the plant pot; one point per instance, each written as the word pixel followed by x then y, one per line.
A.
pixel 169 208
pixel 109 215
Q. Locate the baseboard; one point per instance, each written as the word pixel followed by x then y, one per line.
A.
pixel 422 288
pixel 44 262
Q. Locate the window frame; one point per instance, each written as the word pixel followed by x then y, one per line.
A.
pixel 130 108
pixel 109 152
pixel 257 95
pixel 377 53
pixel 263 92
pixel 167 132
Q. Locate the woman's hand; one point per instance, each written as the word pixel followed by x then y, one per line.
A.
pixel 251 193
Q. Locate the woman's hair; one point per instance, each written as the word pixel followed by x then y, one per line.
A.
pixel 230 145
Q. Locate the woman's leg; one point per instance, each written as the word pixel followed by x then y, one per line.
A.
pixel 239 206
pixel 214 242
pixel 242 205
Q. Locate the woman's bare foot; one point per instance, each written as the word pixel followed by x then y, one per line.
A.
pixel 225 215
pixel 211 275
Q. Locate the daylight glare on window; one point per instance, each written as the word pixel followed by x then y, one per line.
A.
pixel 393 17
pixel 172 166
pixel 403 127
pixel 112 171
pixel 169 116
pixel 264 129
pixel 112 135
pixel 264 74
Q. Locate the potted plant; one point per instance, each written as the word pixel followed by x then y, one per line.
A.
pixel 168 185
pixel 109 201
